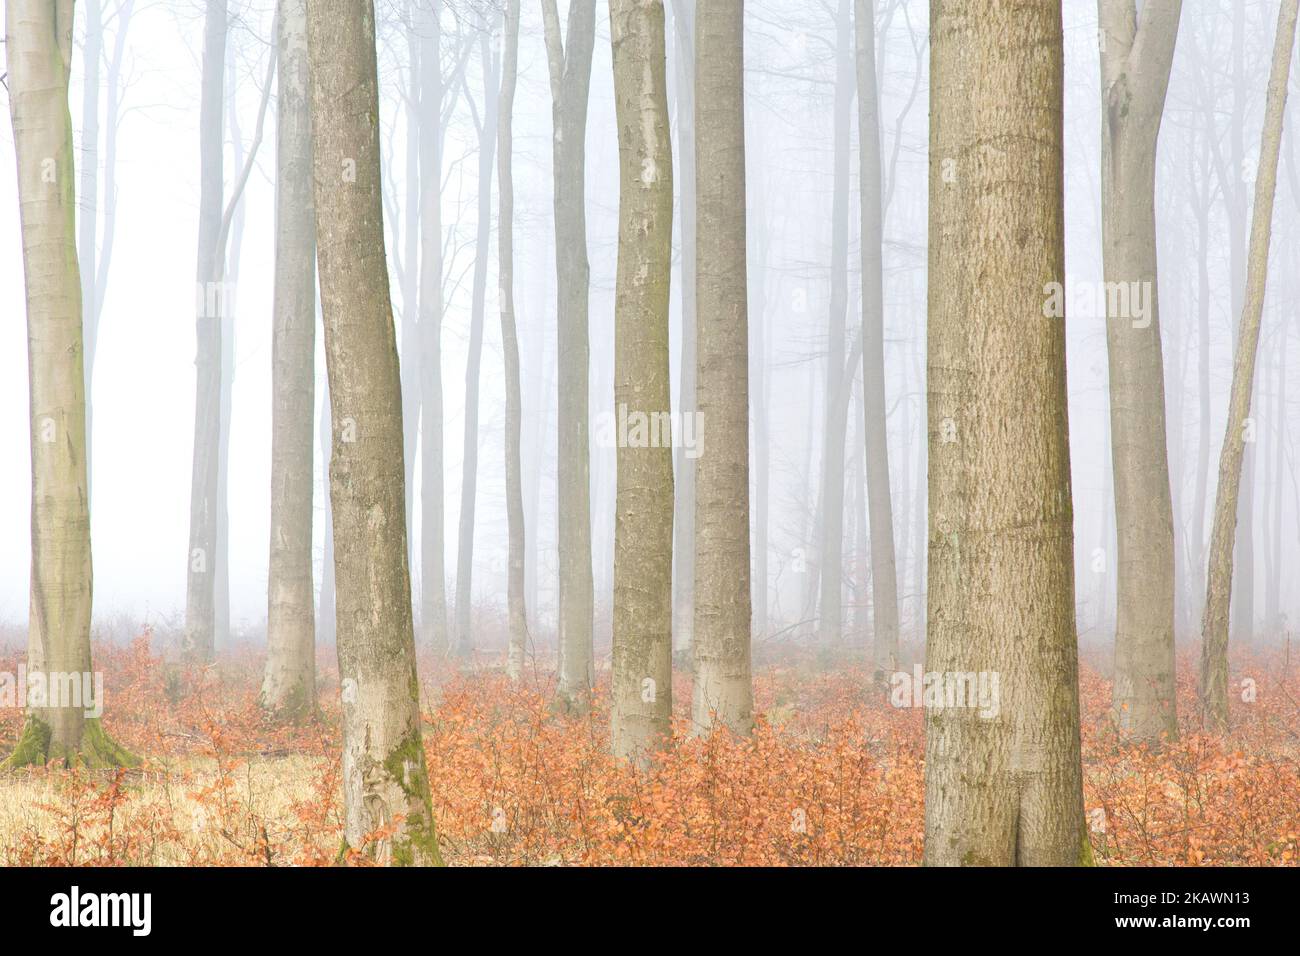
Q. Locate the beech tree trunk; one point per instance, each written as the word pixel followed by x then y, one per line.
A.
pixel 38 55
pixel 830 627
pixel 517 609
pixel 684 547
pixel 200 592
pixel 1000 789
pixel 385 782
pixel 487 144
pixel 433 560
pixel 1136 57
pixel 643 531
pixel 289 685
pixel 723 605
pixel 884 573
pixel 569 59
pixel 1214 627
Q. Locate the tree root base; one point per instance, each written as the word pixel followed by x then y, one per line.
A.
pixel 97 749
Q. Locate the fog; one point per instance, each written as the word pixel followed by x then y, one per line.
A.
pixel 144 385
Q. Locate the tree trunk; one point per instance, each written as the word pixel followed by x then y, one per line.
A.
pixel 643 532
pixel 433 574
pixel 684 543
pixel 289 686
pixel 200 591
pixel 569 58
pixel 38 45
pixel 884 574
pixel 487 144
pixel 723 606
pixel 1136 56
pixel 830 628
pixel 1000 789
pixel 517 609
pixel 1214 627
pixel 385 783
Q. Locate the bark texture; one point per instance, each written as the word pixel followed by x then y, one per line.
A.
pixel 884 574
pixel 839 377
pixel 1001 788
pixel 723 603
pixel 684 59
pixel 433 560
pixel 487 144
pixel 643 531
pixel 1136 57
pixel 569 59
pixel 199 643
pixel 38 55
pixel 289 686
pixel 518 546
pixel 385 782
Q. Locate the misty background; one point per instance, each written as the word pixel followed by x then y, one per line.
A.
pixel 143 386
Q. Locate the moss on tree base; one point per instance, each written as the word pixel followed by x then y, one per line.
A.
pixel 97 749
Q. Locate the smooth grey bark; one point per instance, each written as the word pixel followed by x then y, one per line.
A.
pixel 1136 57
pixel 289 683
pixel 433 575
pixel 199 642
pixel 831 565
pixel 1004 790
pixel 723 603
pixel 38 55
pixel 518 545
pixel 884 574
pixel 385 782
pixel 487 144
pixel 569 61
pixel 1219 587
pixel 643 533
pixel 684 61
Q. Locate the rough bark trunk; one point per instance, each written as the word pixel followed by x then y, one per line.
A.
pixel 643 545
pixel 884 573
pixel 1136 57
pixel 1004 789
pixel 385 783
pixel 38 52
pixel 1214 627
pixel 289 685
pixel 518 545
pixel 569 58
pixel 723 608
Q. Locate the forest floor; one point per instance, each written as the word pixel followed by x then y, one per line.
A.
pixel 832 775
